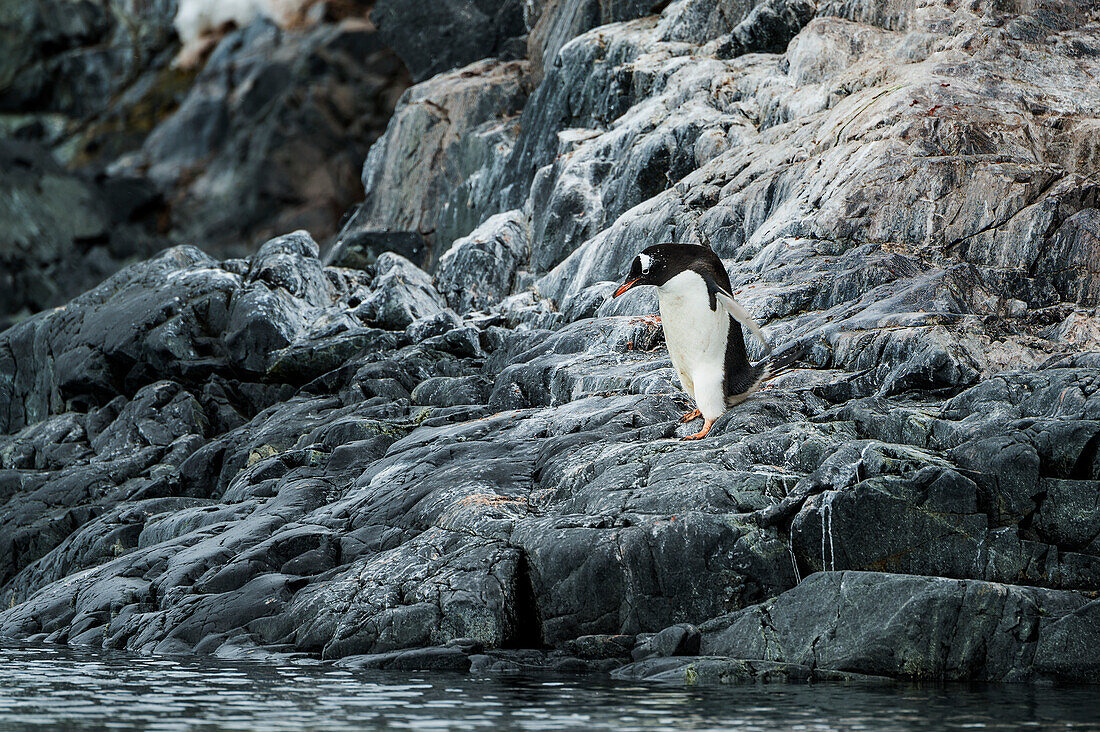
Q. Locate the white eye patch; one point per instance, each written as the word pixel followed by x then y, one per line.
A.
pixel 646 262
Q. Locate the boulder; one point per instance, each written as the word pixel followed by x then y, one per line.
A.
pixel 934 628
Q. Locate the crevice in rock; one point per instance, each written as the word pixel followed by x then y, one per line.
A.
pixel 525 630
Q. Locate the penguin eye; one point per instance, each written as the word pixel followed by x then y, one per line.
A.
pixel 646 261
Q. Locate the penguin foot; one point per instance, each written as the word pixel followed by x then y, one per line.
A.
pixel 693 414
pixel 703 432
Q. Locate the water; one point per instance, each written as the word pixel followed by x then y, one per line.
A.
pixel 61 689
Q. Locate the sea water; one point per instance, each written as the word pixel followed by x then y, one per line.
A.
pixel 55 688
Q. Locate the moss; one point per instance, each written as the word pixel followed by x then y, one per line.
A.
pixel 260 453
pixel 691 676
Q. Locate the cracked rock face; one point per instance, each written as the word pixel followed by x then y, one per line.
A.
pixel 446 449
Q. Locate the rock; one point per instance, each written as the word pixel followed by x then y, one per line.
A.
pixel 431 326
pixel 158 152
pixel 442 658
pixel 699 21
pixel 719 670
pixel 155 320
pixel 433 38
pixel 271 133
pixel 677 640
pixel 1076 240
pixel 431 175
pixel 63 232
pixel 768 27
pixel 936 628
pixel 478 270
pixel 556 22
pixel 75 57
pixel 401 293
pixel 600 646
pixel 448 391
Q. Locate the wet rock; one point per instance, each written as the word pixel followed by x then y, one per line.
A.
pixel 677 640
pixel 601 646
pixel 720 670
pixel 442 658
pixel 475 471
pixel 529 661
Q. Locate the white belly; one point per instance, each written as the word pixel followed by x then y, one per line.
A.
pixel 696 338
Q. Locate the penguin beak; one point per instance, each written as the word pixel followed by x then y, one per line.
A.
pixel 625 286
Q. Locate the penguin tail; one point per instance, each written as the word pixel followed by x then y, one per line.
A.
pixel 754 376
pixel 780 362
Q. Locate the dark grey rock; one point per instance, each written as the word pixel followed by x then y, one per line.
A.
pixel 678 640
pixel 768 27
pixel 400 293
pixel 479 269
pixel 600 646
pixel 281 121
pixel 934 628
pixel 448 391
pixel 720 670
pixel 1077 240
pixel 443 658
pixel 432 177
pixel 431 326
pixel 73 57
pixel 64 232
pixel 436 37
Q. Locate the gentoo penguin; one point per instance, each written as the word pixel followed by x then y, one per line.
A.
pixel 702 325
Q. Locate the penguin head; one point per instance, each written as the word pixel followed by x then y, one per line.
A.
pixel 657 264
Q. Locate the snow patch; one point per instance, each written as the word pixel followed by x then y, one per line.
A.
pixel 196 18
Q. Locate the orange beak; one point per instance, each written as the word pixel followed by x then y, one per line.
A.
pixel 624 287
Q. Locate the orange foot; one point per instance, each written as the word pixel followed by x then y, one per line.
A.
pixel 703 432
pixel 693 414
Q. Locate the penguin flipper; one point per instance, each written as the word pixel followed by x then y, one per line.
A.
pixel 742 316
pixel 720 295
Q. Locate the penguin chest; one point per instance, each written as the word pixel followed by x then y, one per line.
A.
pixel 695 334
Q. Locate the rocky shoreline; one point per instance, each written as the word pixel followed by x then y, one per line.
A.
pixel 439 444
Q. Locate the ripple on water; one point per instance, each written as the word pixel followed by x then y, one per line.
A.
pixel 59 688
